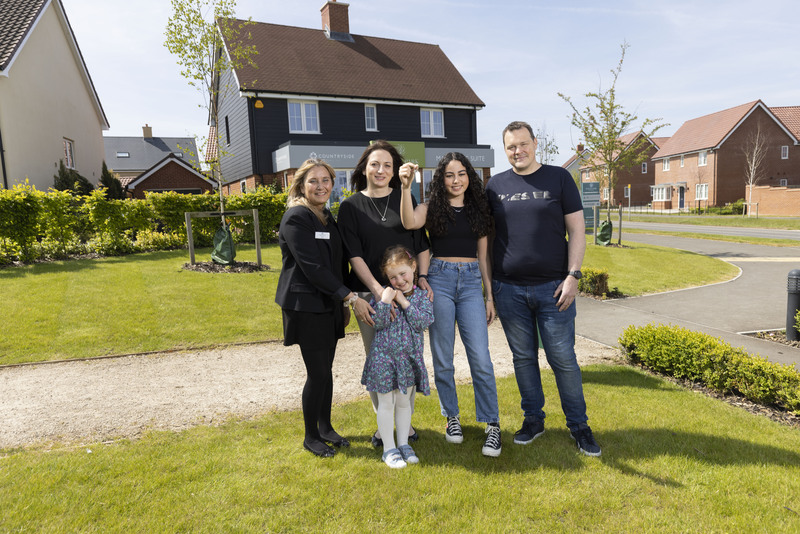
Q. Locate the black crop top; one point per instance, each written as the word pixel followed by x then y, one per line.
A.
pixel 458 242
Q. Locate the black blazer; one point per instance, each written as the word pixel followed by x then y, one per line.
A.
pixel 313 264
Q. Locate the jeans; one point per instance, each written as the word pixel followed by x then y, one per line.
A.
pixel 458 298
pixel 523 309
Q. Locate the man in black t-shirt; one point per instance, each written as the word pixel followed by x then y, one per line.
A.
pixel 535 273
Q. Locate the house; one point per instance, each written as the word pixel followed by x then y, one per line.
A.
pixel 573 164
pixel 129 157
pixel 172 173
pixel 703 164
pixel 328 93
pixel 49 108
pixel 633 185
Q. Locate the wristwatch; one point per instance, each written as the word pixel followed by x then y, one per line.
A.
pixel 575 274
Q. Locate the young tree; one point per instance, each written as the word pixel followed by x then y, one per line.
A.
pixel 546 148
pixel 195 34
pixel 602 123
pixel 112 184
pixel 754 150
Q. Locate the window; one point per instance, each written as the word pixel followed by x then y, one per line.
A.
pixel 665 164
pixel 371 117
pixel 644 167
pixel 432 121
pixel 784 182
pixel 178 154
pixel 681 161
pixel 227 132
pixel 626 192
pixel 69 153
pixel 303 117
pixel 605 193
pixel 785 152
pixel 701 192
pixel 702 158
pixel 662 193
pixel 123 154
pixel 243 185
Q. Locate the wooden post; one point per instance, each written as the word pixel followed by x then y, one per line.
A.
pixel 189 237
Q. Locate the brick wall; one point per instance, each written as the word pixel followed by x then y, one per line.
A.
pixel 172 177
pixel 776 201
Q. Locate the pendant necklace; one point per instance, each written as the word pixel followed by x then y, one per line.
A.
pixel 458 210
pixel 385 209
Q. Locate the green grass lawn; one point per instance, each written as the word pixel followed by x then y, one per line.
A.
pixel 778 223
pixel 147 302
pixel 673 461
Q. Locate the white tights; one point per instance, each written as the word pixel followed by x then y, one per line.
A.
pixel 394 411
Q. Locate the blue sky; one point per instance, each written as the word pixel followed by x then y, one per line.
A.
pixel 686 59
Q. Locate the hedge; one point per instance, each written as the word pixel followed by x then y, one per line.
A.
pixel 35 225
pixel 699 357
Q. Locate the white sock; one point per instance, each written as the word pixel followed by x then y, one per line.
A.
pixel 385 413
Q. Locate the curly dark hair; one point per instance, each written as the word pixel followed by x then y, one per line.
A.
pixel 358 180
pixel 439 211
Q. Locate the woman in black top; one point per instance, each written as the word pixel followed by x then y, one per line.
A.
pixel 370 223
pixel 313 297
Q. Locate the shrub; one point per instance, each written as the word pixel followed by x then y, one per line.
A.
pixel 111 183
pixel 59 222
pixel 71 180
pixel 149 241
pixel 594 282
pixel 270 206
pixel 698 357
pixel 20 208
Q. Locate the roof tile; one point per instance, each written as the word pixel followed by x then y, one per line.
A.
pixel 16 19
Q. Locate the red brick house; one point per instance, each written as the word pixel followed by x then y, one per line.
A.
pixel 632 184
pixel 170 174
pixel 703 164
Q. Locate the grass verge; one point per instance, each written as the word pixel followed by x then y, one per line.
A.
pixel 673 461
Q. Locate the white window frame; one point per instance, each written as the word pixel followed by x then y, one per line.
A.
pixel 681 161
pixel 243 186
pixel 644 167
pixel 662 193
pixel 784 182
pixel 429 127
pixel 665 164
pixel 69 153
pixel 123 154
pixel 701 192
pixel 606 193
pixel 702 158
pixel 371 117
pixel 626 192
pixel 308 124
pixel 785 152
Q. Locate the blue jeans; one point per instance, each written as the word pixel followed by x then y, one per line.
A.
pixel 458 298
pixel 523 309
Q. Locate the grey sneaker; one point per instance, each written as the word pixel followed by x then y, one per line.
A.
pixel 531 429
pixel 585 441
pixel 492 445
pixel 453 432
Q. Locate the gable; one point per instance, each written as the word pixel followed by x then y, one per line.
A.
pixel 301 61
pixel 143 153
pixel 175 168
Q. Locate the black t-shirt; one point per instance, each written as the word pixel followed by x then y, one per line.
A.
pixel 459 241
pixel 530 245
pixel 366 236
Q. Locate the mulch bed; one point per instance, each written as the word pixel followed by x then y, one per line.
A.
pixel 235 267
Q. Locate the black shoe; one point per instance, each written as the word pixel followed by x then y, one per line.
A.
pixel 453 433
pixel 585 441
pixel 319 448
pixel 492 446
pixel 413 437
pixel 531 429
pixel 376 441
pixel 335 439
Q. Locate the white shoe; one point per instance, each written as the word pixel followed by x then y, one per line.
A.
pixel 393 459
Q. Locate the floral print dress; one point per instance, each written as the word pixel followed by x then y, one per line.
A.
pixel 395 360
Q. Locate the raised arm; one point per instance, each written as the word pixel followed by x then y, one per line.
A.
pixel 413 218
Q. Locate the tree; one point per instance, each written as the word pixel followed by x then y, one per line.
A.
pixel 112 184
pixel 546 148
pixel 71 180
pixel 197 43
pixel 602 123
pixel 754 150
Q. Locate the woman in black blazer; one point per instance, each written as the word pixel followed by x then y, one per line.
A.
pixel 313 297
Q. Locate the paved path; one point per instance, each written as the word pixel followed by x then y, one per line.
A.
pixel 756 300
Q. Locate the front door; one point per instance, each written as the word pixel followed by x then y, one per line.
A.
pixel 681 196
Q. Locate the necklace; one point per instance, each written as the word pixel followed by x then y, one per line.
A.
pixel 385 209
pixel 458 210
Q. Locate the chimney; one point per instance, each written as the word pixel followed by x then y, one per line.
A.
pixel 147 131
pixel 580 148
pixel 335 17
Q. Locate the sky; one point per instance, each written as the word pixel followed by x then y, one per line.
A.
pixel 685 59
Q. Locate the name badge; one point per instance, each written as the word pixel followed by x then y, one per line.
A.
pixel 322 235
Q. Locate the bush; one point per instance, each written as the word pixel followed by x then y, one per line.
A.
pixel 594 282
pixel 20 208
pixel 698 357
pixel 271 207
pixel 150 241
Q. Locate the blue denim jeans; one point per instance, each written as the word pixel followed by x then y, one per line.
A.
pixel 523 309
pixel 458 298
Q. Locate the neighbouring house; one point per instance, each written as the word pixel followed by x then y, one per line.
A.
pixel 573 164
pixel 703 163
pixel 129 157
pixel 49 108
pixel 633 185
pixel 173 173
pixel 329 92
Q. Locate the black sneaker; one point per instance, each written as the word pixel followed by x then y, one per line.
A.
pixel 492 445
pixel 531 429
pixel 585 441
pixel 453 432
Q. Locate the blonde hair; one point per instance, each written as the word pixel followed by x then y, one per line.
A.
pixel 296 196
pixel 398 254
